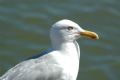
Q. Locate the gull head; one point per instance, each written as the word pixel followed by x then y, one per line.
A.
pixel 67 31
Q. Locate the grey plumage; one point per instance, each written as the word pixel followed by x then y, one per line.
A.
pixel 41 68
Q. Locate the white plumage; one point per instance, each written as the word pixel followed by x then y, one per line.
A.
pixel 61 62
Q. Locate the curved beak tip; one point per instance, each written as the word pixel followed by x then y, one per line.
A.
pixel 90 34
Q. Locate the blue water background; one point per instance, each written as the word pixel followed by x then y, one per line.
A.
pixel 25 24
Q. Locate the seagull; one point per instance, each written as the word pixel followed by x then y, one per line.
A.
pixel 60 62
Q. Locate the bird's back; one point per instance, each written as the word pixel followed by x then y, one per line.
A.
pixel 43 68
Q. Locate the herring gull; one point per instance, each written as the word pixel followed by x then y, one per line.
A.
pixel 60 62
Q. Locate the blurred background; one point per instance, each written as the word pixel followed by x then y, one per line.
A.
pixel 25 24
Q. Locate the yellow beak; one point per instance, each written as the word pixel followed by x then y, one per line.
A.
pixel 89 34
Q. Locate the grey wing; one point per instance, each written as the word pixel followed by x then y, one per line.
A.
pixel 35 69
pixel 17 72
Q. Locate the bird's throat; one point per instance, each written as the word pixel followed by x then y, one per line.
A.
pixel 69 48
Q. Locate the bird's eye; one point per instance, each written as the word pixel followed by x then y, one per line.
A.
pixel 70 28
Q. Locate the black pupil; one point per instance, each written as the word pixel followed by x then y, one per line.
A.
pixel 70 28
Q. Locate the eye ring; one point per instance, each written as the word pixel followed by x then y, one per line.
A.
pixel 70 28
